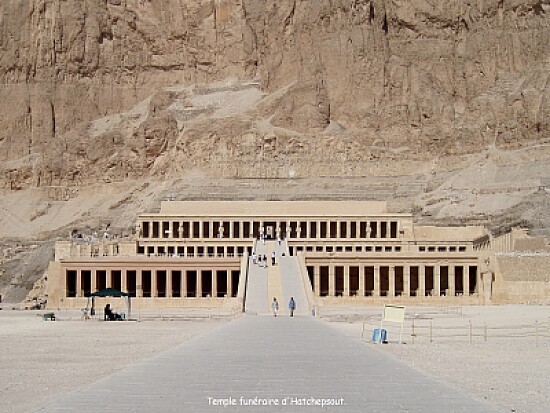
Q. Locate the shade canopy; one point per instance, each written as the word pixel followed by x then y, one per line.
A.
pixel 109 292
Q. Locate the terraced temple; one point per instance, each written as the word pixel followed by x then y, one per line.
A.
pixel 205 254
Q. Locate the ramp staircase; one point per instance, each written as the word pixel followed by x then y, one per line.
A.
pixel 282 280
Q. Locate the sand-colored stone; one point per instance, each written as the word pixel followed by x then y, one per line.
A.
pixel 107 108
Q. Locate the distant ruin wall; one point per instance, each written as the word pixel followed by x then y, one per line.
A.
pixel 522 277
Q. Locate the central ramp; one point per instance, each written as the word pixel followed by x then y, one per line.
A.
pixel 292 283
pixel 256 285
pixel 298 360
pixel 266 281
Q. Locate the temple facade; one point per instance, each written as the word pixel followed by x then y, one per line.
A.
pixel 205 254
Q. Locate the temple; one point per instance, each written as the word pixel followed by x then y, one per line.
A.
pixel 205 254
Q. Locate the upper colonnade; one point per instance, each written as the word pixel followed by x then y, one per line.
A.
pixel 274 219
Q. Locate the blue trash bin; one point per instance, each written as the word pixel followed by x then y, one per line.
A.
pixel 378 337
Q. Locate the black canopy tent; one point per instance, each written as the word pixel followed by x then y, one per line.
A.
pixel 112 292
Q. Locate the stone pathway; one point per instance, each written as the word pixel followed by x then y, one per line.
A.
pixel 292 284
pixel 262 359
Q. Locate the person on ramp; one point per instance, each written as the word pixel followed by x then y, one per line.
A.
pixel 292 306
pixel 275 306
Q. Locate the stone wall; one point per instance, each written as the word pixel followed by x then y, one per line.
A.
pixel 522 277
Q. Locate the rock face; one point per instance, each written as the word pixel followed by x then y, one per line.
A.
pixel 441 106
pixel 428 79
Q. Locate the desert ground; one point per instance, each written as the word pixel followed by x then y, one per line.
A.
pixel 42 360
pixel 508 365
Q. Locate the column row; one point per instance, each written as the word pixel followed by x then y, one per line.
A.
pixel 393 280
pixel 154 283
pixel 211 229
pixel 191 251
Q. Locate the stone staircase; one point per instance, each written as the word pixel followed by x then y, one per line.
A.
pixel 282 280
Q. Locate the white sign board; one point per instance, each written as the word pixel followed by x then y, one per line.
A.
pixel 394 313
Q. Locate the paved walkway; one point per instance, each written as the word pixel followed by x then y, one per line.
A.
pixel 298 360
pixel 281 280
pixel 293 286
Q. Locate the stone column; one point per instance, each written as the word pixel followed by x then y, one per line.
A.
pixel 479 281
pixel 437 281
pixel 338 232
pixel 214 283
pixel 78 283
pixel 361 281
pixel 331 281
pixel 407 280
pixel 169 293
pixel 399 229
pixel 466 280
pixel 317 280
pixel 241 229
pixel 212 232
pixel 348 229
pixel 229 282
pixel 154 292
pixel 231 230
pixel 124 280
pixel 109 279
pixel 378 229
pixel 391 275
pixel 139 283
pixel 452 286
pixel 199 283
pixel 346 280
pixel 184 283
pixel 486 285
pixel 422 280
pixel 288 230
pixel 376 281
pixel 191 229
pixel 201 229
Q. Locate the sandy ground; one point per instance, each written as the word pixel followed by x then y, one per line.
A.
pixel 511 369
pixel 42 360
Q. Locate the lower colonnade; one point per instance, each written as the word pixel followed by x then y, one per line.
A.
pixel 378 280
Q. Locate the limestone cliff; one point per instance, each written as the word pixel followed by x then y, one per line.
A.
pixel 430 78
pixel 441 106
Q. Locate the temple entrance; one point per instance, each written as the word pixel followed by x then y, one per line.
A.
pixel 270 230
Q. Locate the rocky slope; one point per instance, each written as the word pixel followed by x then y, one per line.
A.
pixel 108 106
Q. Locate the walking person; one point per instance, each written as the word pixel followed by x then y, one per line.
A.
pixel 275 306
pixel 292 306
pixel 273 258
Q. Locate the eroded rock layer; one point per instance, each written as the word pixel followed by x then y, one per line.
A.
pixel 440 107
